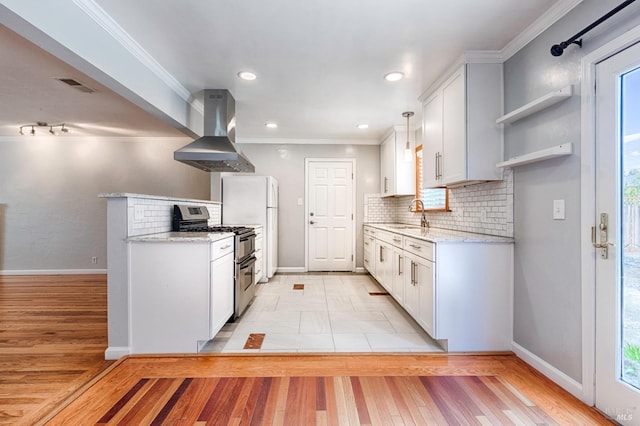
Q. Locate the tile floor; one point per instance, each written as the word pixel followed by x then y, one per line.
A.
pixel 333 313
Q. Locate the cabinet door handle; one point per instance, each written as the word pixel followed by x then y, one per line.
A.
pixel 399 265
pixel 412 274
pixel 436 168
pixel 381 258
pixel 386 186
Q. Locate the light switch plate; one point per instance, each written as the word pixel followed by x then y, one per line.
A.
pixel 558 209
pixel 300 201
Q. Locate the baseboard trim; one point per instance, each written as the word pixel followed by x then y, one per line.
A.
pixel 557 376
pixel 291 269
pixel 116 352
pixel 53 272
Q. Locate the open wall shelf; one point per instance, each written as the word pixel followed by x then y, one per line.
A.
pixel 545 154
pixel 537 105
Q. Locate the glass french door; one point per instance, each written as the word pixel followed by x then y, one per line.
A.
pixel 616 236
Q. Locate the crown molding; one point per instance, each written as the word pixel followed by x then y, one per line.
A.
pixel 307 141
pixel 548 18
pixel 106 22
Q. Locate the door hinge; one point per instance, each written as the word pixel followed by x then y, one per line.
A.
pixel 351 176
pixel 351 216
pixel 352 258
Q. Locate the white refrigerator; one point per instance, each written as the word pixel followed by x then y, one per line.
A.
pixel 253 200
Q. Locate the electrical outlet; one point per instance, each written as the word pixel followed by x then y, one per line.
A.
pixel 94 260
pixel 138 212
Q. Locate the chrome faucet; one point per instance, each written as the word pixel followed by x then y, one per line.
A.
pixel 424 223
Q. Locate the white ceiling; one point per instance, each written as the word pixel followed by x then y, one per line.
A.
pixel 320 64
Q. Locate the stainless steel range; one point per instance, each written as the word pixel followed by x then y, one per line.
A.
pixel 188 218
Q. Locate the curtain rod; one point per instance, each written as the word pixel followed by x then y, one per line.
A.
pixel 558 49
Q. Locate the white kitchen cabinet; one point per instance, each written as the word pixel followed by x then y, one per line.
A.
pixel 461 142
pixel 384 265
pixel 397 175
pixel 181 293
pixel 259 253
pixel 221 296
pixel 458 288
pixel 369 250
pixel 419 283
pixel 397 286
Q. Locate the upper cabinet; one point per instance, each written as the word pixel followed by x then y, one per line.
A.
pixel 397 173
pixel 461 141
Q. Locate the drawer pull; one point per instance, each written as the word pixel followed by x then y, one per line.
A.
pixel 225 247
pixel 397 240
pixel 415 246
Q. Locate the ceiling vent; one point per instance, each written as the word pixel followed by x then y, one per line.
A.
pixel 76 85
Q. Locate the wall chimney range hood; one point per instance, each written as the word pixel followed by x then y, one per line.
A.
pixel 216 151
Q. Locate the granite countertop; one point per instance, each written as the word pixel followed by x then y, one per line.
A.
pixel 184 237
pixel 155 197
pixel 439 235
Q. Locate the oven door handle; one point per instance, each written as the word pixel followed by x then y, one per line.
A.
pixel 247 237
pixel 247 262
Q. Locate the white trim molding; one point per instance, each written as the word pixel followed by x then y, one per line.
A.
pixel 291 270
pixel 106 22
pixel 116 352
pixel 561 379
pixel 588 203
pixel 548 18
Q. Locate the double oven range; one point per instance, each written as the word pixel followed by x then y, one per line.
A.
pixel 187 218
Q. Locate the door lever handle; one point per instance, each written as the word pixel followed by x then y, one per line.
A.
pixel 311 222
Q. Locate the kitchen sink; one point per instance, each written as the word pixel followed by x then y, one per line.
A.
pixel 403 227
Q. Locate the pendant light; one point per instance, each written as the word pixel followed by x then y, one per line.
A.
pixel 408 152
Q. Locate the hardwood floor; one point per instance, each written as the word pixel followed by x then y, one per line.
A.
pixel 53 336
pixel 297 389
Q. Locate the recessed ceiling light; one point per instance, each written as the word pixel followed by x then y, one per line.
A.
pixel 247 75
pixel 271 125
pixel 363 126
pixel 394 76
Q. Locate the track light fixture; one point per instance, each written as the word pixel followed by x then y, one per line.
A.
pixel 51 127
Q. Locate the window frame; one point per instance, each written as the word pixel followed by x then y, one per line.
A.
pixel 414 207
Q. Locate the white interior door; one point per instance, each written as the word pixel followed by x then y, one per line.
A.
pixel 330 215
pixel 617 236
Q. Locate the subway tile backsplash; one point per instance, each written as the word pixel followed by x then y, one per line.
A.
pixel 150 216
pixel 485 208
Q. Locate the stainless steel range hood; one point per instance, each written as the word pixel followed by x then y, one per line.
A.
pixel 216 151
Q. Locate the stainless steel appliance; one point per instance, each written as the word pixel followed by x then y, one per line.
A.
pixel 188 218
pixel 216 151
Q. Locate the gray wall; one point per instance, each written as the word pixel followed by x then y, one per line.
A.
pixel 286 163
pixel 547 310
pixel 50 215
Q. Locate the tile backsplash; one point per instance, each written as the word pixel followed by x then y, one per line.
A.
pixel 485 208
pixel 150 216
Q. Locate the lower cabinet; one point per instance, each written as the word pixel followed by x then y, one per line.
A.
pixel 419 291
pixel 398 268
pixel 222 292
pixel 181 294
pixel 459 291
pixel 384 265
pixel 369 254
